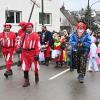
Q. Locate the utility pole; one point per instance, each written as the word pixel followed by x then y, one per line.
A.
pixel 42 12
pixel 88 8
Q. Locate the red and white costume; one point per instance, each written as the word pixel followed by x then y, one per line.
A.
pixel 29 49
pixel 22 30
pixel 20 35
pixel 8 46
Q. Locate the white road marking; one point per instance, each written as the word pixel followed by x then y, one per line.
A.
pixel 55 76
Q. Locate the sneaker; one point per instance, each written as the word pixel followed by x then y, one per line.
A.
pixel 81 78
pixel 89 70
pixel 96 70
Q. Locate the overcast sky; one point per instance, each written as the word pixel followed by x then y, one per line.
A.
pixel 74 5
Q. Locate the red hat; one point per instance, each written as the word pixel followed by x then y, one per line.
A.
pixel 82 25
pixel 28 24
pixel 7 25
pixel 22 23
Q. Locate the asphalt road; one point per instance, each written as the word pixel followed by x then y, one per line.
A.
pixel 54 84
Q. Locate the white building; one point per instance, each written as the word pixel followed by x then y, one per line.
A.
pixel 19 10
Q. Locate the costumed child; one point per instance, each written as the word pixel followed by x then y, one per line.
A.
pixel 63 57
pixel 93 56
pixel 56 52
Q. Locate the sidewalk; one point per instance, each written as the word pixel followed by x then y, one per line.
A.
pixel 2 61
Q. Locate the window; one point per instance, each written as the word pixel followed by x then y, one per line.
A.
pixel 47 18
pixel 13 16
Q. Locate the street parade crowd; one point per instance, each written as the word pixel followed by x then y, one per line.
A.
pixel 79 50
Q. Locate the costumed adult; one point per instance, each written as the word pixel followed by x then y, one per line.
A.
pixel 20 35
pixel 80 42
pixel 46 41
pixel 30 53
pixel 7 39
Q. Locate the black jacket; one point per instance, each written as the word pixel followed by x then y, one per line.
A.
pixel 46 37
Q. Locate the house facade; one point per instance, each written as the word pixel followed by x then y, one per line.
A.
pixel 67 20
pixel 13 12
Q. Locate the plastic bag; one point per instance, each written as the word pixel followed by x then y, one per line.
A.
pixel 41 56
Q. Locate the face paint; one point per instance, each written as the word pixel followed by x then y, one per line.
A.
pixel 80 30
pixel 81 27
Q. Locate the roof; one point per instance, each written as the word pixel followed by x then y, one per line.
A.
pixel 68 15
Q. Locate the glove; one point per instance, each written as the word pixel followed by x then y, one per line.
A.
pixel 79 45
pixel 19 50
pixel 36 57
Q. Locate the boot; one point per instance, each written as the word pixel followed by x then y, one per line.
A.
pixel 26 77
pixel 8 73
pixel 81 78
pixel 36 78
pixel 61 63
pixel 19 63
pixel 26 83
pixel 56 64
pixel 47 61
